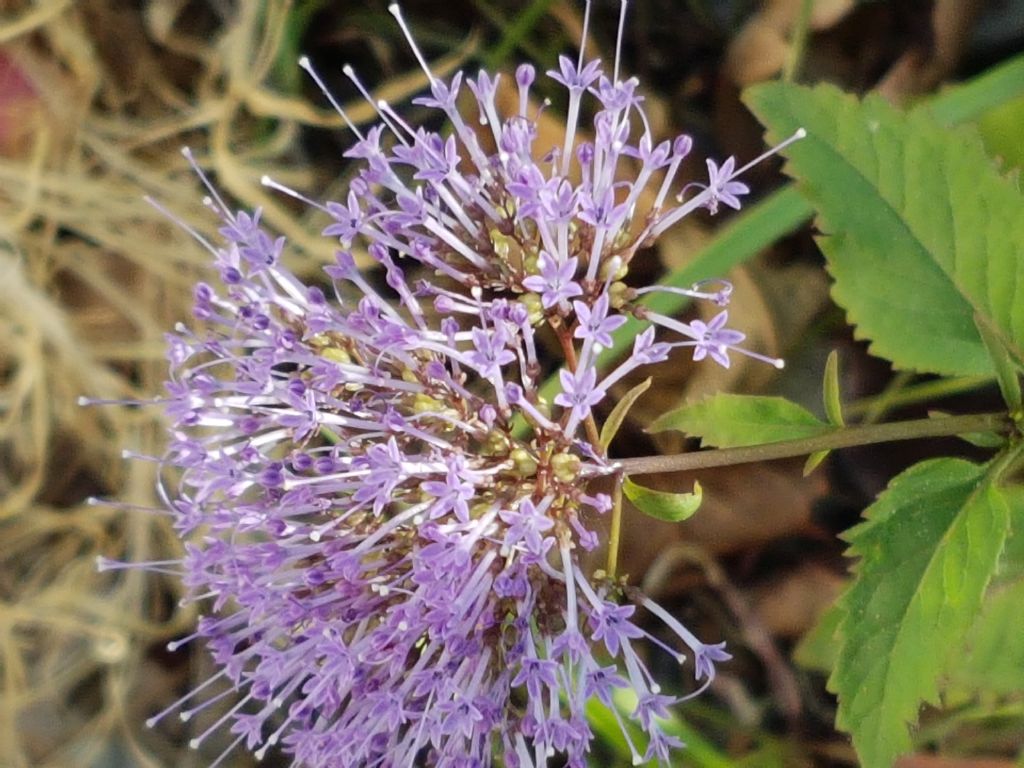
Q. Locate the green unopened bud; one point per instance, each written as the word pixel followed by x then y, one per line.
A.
pixel 426 404
pixel 502 244
pixel 530 262
pixel 617 293
pixel 495 442
pixel 543 406
pixel 622 237
pixel 335 354
pixel 534 307
pixel 566 467
pixel 525 465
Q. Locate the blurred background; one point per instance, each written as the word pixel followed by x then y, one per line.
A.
pixel 97 98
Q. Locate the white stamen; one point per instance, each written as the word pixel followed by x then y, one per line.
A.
pixel 266 181
pixel 187 154
pixel 350 73
pixel 618 42
pixel 583 39
pixel 396 11
pixel 800 133
pixel 181 223
pixel 305 63
pixel 83 400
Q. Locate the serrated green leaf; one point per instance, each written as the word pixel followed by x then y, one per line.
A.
pixel 730 421
pixel 928 550
pixel 920 231
pixel 831 396
pixel 614 421
pixel 672 507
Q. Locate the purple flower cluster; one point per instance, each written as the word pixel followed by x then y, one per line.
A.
pixel 384 517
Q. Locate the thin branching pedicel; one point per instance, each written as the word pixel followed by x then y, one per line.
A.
pixel 391 566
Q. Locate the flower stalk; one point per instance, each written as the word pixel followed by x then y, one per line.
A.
pixel 849 437
pixel 615 527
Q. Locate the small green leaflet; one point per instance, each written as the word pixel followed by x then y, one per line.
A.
pixel 920 231
pixel 831 394
pixel 731 421
pixel 614 421
pixel 671 507
pixel 929 548
pixel 832 400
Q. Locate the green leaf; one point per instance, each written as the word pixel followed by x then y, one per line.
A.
pixel 928 550
pixel 296 23
pixel 994 659
pixel 607 730
pixel 1000 130
pixel 1006 370
pixel 832 400
pixel 1011 567
pixel 516 33
pixel 672 507
pixel 830 391
pixel 611 425
pixel 920 230
pixel 700 751
pixel 775 754
pixel 972 100
pixel 987 440
pixel 730 421
pixel 814 461
pixel 818 648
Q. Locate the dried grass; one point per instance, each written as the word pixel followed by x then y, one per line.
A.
pixel 90 277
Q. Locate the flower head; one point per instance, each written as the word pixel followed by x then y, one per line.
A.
pixel 393 561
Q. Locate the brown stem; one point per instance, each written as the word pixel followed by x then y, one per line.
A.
pixel 944 426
